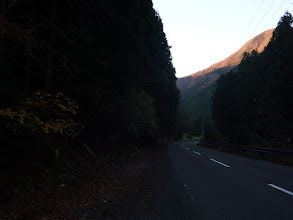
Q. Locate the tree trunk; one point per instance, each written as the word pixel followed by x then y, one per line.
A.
pixel 28 74
pixel 3 8
pixel 51 42
pixel 49 73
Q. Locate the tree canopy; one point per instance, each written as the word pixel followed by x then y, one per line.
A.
pixel 253 103
pixel 108 61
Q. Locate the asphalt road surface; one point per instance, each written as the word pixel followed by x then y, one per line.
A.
pixel 218 185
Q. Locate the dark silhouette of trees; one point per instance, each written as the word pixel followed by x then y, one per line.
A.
pixel 110 57
pixel 253 104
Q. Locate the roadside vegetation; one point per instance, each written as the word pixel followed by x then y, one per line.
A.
pixel 253 104
pixel 82 83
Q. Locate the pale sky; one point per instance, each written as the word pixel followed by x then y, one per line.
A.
pixel 204 32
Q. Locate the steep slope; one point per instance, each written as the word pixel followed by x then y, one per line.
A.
pixel 196 89
pixel 203 78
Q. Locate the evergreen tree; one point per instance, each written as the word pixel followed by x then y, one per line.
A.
pixel 96 53
pixel 254 100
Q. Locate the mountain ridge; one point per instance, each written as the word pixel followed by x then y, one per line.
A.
pixel 197 89
pixel 257 43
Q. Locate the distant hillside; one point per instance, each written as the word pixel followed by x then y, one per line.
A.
pixel 196 89
pixel 203 78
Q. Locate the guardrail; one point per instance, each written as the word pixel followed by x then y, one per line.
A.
pixel 272 151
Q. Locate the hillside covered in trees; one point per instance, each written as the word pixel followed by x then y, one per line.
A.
pixel 254 104
pixel 196 89
pixel 80 77
pixel 207 76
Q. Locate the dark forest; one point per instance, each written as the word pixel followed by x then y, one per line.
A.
pixel 82 78
pixel 253 105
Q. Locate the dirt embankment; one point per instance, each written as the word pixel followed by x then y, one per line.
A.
pixel 88 192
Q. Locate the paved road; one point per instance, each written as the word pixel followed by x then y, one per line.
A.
pixel 219 185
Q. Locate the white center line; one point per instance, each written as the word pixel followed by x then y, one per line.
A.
pixel 182 145
pixel 225 165
pixel 281 189
pixel 196 153
pixel 187 148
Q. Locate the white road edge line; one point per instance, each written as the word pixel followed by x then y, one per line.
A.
pixel 225 165
pixel 196 153
pixel 281 189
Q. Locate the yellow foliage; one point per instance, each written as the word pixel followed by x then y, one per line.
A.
pixel 29 117
pixel 54 103
pixel 141 114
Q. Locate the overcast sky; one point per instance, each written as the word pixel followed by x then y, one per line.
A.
pixel 204 32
